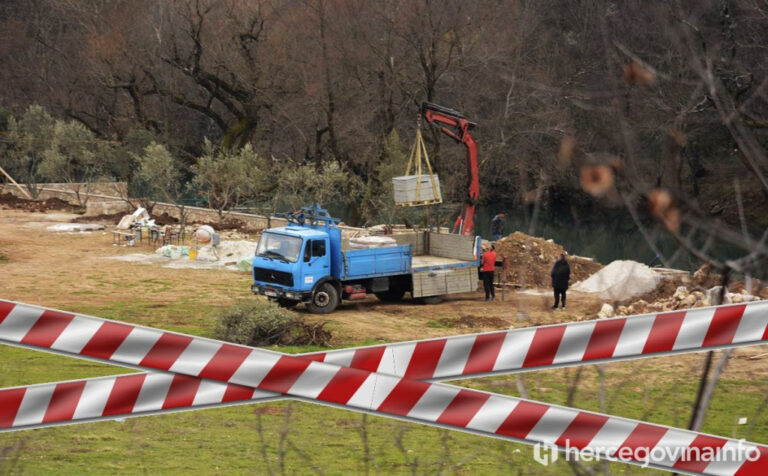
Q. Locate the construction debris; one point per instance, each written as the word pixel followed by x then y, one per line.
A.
pixel 683 298
pixel 229 255
pixel 531 258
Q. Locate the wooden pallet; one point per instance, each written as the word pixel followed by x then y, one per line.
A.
pixel 419 203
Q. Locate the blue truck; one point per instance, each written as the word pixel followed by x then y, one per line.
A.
pixel 308 261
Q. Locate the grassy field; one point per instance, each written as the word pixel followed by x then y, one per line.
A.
pixel 70 272
pixel 299 438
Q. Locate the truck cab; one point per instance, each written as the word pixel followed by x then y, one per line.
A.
pixel 289 258
pixel 293 261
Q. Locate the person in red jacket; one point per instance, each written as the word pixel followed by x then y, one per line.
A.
pixel 487 266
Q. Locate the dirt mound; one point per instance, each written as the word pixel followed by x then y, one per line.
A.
pixel 9 200
pixel 114 219
pixel 164 219
pixel 664 290
pixel 531 259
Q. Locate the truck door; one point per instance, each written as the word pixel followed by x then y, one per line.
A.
pixel 317 263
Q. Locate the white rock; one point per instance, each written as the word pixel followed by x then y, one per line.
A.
pixel 680 293
pixel 606 311
pixel 713 295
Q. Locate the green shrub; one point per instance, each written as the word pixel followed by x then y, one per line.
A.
pixel 258 322
pixel 255 322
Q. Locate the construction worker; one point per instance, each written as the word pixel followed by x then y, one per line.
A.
pixel 497 226
pixel 561 273
pixel 488 265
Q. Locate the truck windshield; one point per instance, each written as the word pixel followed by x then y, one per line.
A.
pixel 282 247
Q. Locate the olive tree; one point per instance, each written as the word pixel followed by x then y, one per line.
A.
pixel 74 156
pixel 28 139
pixel 300 185
pixel 160 174
pixel 227 178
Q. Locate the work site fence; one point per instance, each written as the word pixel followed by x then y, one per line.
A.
pixel 399 380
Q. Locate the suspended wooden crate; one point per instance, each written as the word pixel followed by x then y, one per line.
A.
pixel 413 190
pixel 419 189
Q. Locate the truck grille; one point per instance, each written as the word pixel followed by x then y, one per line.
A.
pixel 272 276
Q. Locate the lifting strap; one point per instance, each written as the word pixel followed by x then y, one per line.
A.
pixel 419 149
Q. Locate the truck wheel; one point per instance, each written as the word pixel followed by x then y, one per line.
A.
pixel 391 295
pixel 286 303
pixel 324 300
pixel 432 300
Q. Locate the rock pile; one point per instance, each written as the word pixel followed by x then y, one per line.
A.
pixel 531 259
pixel 683 298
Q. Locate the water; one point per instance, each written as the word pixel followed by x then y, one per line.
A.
pixel 612 236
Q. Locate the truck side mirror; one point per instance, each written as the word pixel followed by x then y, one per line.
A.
pixel 308 251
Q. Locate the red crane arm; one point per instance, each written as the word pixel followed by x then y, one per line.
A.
pixel 459 131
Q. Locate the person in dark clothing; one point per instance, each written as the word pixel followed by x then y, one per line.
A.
pixel 497 226
pixel 561 273
pixel 488 265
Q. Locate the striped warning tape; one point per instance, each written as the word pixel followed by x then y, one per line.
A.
pixel 317 378
pixel 575 343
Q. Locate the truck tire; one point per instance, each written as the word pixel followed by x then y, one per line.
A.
pixel 286 303
pixel 432 300
pixel 391 295
pixel 324 300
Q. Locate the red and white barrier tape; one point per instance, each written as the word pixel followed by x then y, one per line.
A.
pixel 575 343
pixel 324 382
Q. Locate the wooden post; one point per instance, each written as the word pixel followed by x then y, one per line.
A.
pixel 26 194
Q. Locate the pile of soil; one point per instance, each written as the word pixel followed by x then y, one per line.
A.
pixel 531 259
pixel 232 226
pixel 114 219
pixel 9 200
pixel 664 290
pixel 164 219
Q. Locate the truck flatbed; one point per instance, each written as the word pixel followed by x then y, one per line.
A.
pixel 430 262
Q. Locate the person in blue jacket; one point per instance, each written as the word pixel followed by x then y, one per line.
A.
pixel 497 226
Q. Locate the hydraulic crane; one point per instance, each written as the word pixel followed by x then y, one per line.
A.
pixel 458 128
